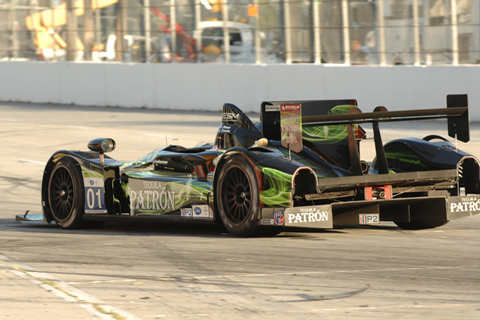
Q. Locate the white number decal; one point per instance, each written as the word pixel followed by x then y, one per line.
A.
pixel 99 199
pixel 90 198
pixel 91 204
pixel 94 197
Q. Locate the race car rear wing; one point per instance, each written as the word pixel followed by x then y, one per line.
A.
pixel 456 112
pixel 285 120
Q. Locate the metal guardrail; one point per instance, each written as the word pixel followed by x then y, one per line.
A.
pixel 349 32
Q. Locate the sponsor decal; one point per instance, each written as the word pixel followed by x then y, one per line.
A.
pixel 272 108
pixel 201 211
pixel 150 195
pixel 186 212
pixel 369 218
pixel 314 217
pixel 94 195
pixel 160 162
pixel 291 126
pixel 466 204
pixel 225 129
pixel 267 222
pixel 279 218
pixel 230 117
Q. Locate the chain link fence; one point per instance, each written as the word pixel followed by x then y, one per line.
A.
pixel 350 32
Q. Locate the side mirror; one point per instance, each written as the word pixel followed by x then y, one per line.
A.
pixel 102 145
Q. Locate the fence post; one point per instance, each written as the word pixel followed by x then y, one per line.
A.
pixel 226 32
pixel 173 31
pixel 288 40
pixel 317 40
pixel 454 32
pixel 148 35
pixel 346 33
pixel 258 49
pixel 54 30
pixel 14 38
pixel 98 24
pixel 121 27
pixel 381 33
pixel 88 31
pixel 416 33
pixel 197 33
pixel 71 31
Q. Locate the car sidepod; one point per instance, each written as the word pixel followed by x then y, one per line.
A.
pixel 153 193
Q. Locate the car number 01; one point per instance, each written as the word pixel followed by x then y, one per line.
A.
pixel 94 196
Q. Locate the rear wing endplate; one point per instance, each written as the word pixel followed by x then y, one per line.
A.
pixel 459 127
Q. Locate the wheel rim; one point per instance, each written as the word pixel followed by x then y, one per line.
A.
pixel 61 193
pixel 237 195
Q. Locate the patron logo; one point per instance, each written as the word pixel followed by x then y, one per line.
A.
pixel 152 200
pixel 314 217
pixel 462 206
pixel 307 217
pixel 466 204
pixel 148 196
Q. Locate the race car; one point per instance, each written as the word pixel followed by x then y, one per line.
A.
pixel 299 166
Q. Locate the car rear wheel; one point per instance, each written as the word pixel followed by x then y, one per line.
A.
pixel 237 197
pixel 433 137
pixel 65 194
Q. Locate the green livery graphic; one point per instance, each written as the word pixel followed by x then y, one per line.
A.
pixel 328 134
pixel 280 184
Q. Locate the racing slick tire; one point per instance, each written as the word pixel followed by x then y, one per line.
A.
pixel 66 198
pixel 237 197
pixel 418 225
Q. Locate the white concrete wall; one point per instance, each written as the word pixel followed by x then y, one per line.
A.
pixel 208 86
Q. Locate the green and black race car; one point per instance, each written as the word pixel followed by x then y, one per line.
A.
pixel 298 167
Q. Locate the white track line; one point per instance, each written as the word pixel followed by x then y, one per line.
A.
pixel 31 161
pixel 65 291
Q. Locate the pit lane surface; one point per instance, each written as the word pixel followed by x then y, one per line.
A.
pixel 154 271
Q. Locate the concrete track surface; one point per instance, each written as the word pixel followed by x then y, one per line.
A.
pixel 154 271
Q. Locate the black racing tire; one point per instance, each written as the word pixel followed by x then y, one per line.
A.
pixel 419 225
pixel 66 198
pixel 434 136
pixel 237 197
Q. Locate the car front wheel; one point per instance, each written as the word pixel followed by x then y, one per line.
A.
pixel 237 196
pixel 65 194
